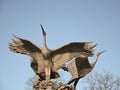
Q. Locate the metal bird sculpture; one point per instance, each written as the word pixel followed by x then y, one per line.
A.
pixel 44 61
pixel 80 67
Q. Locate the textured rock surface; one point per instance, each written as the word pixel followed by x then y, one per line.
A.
pixel 44 85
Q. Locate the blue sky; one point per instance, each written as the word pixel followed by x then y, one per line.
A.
pixel 64 21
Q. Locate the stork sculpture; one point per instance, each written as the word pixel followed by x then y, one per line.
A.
pixel 44 61
pixel 80 67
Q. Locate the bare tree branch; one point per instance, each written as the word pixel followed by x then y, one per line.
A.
pixel 102 81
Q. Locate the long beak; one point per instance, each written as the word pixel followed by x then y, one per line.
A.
pixel 94 45
pixel 99 53
pixel 102 52
pixel 43 31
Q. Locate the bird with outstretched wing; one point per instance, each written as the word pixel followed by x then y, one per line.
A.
pixel 80 67
pixel 44 61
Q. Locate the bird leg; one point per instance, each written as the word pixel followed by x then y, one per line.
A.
pixel 74 78
pixel 76 81
pixel 47 73
pixel 47 70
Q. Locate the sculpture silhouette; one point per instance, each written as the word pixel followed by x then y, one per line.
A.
pixel 80 67
pixel 44 61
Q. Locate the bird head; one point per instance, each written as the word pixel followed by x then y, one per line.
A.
pixel 43 31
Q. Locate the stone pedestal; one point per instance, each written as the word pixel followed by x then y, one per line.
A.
pixel 44 85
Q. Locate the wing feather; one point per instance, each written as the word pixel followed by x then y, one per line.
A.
pixel 71 50
pixel 26 47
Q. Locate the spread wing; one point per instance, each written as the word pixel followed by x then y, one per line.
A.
pixel 26 47
pixel 83 66
pixel 78 69
pixel 82 63
pixel 71 50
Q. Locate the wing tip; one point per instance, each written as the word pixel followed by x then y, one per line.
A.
pixel 15 36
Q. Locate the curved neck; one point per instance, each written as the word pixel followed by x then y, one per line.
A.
pixel 44 41
pixel 94 62
pixel 44 37
pixel 97 55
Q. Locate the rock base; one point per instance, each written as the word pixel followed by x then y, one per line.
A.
pixel 50 85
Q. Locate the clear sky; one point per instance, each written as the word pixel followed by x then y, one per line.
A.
pixel 64 21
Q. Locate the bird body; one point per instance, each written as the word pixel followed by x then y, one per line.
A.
pixel 44 61
pixel 80 67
